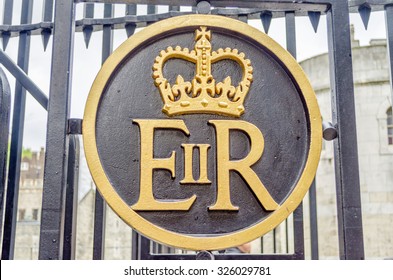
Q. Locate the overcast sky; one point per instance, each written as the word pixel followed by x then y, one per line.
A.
pixel 87 61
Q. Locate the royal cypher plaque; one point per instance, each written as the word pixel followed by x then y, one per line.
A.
pixel 201 132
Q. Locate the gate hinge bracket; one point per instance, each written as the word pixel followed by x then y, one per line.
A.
pixel 329 131
pixel 74 126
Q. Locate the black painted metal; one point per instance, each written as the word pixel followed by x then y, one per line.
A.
pixel 290 27
pixel 100 205
pixel 134 245
pixel 298 232
pixel 345 147
pixel 5 107
pixel 56 157
pixel 11 206
pixel 71 204
pixel 24 80
pixel 312 194
pixel 144 249
pixel 74 126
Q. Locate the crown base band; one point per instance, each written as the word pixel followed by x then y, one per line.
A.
pixel 221 108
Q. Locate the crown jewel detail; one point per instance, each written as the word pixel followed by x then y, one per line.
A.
pixel 202 94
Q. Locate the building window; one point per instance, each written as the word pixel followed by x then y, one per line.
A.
pixel 390 125
pixel 22 214
pixel 24 166
pixel 35 214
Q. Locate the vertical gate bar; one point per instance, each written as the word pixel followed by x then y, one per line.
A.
pixel 174 8
pixel 71 198
pixel 290 33
pixel 144 248
pixel 47 11
pixel 274 241
pixel 131 9
pixel 135 245
pixel 151 9
pixel 100 206
pixel 5 107
pixel 262 244
pixel 56 157
pixel 298 232
pixel 389 38
pixel 349 214
pixel 88 10
pixel 7 20
pixel 290 27
pixel 7 12
pixel 144 243
pixel 18 120
pixel 312 193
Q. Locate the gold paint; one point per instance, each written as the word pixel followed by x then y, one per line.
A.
pixel 188 176
pixel 196 242
pixel 146 201
pixel 242 166
pixel 203 164
pixel 203 94
pixel 188 155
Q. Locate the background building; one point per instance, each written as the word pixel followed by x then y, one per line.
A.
pixel 375 146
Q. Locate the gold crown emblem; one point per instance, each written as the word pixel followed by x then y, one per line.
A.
pixel 202 95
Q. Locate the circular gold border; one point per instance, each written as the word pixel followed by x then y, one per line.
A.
pixel 181 240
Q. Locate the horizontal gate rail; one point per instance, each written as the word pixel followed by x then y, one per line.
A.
pixel 276 9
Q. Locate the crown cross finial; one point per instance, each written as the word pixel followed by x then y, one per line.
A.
pixel 203 95
pixel 202 32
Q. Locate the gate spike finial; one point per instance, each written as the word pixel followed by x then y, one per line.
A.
pixel 45 36
pixel 314 19
pixel 47 15
pixel 365 11
pixel 266 18
pixel 87 31
pixel 130 29
pixel 88 12
pixel 6 37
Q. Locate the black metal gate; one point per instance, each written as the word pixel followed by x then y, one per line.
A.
pixel 57 233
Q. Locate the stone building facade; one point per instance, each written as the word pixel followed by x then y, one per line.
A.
pixel 29 210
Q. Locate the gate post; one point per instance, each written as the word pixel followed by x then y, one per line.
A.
pixel 56 157
pixel 350 230
pixel 5 103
